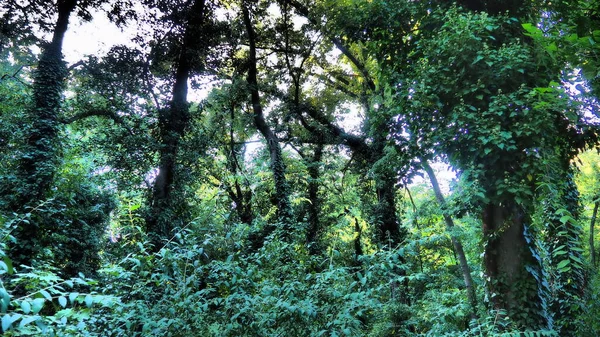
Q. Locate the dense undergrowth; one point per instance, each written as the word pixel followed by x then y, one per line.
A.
pixel 210 285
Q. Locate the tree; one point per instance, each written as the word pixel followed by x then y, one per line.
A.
pixel 37 165
pixel 282 194
pixel 174 120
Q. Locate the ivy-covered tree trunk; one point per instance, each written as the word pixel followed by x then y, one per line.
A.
pixel 512 266
pixel 173 122
pixel 561 213
pixel 314 207
pixel 389 233
pixel 385 176
pixel 278 169
pixel 41 153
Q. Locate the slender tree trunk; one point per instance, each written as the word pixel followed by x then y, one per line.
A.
pixel 282 193
pixel 173 122
pixel 592 225
pixel 314 208
pixel 458 248
pixel 37 167
pixel 242 198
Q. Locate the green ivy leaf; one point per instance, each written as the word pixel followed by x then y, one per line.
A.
pixel 562 264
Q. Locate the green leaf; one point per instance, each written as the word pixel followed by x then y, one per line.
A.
pixel 62 301
pixel 477 59
pixel 26 307
pixel 9 265
pixel 28 320
pixel 46 295
pixel 562 264
pixel 73 297
pixel 531 29
pixel 89 300
pixel 566 218
pixel 37 305
pixel 8 320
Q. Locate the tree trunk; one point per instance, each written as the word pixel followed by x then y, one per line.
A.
pixel 242 198
pixel 390 235
pixel 592 225
pixel 36 168
pixel 172 123
pixel 282 194
pixel 458 248
pixel 512 266
pixel 314 208
pixel 563 233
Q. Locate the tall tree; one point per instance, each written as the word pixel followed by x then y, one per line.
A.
pixel 278 169
pixel 493 128
pixel 173 122
pixel 38 163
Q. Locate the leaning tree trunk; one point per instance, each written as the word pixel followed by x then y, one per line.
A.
pixel 512 266
pixel 41 154
pixel 282 192
pixel 458 248
pixel 173 122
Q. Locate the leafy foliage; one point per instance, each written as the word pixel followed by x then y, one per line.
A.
pixel 254 168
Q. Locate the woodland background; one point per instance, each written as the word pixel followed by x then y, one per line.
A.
pixel 267 168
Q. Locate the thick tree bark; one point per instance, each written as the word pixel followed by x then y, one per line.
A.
pixel 458 248
pixel 592 225
pixel 37 167
pixel 282 193
pixel 173 122
pixel 511 268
